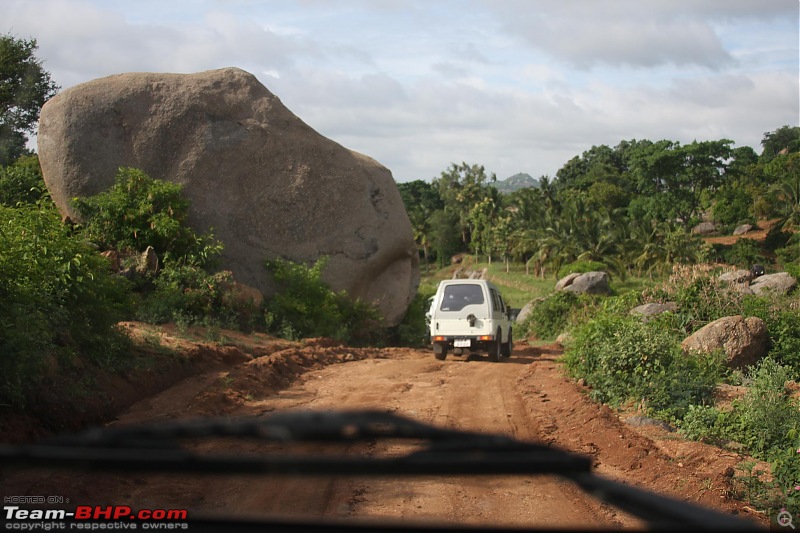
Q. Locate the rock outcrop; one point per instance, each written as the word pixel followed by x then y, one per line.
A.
pixel 527 308
pixel 649 310
pixel 266 183
pixel 566 281
pixel 588 283
pixel 736 276
pixel 780 282
pixel 743 340
pixel 704 228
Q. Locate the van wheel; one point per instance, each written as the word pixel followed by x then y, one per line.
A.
pixel 506 350
pixel 439 351
pixel 495 350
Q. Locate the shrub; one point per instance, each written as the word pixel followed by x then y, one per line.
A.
pixel 581 267
pixel 700 296
pixel 58 299
pixel 550 316
pixel 704 423
pixel 187 294
pixel 138 212
pixel 786 471
pixel 763 417
pixel 626 359
pixel 305 306
pixel 789 255
pixel 743 253
pixel 783 327
pixel 733 205
pixel 22 183
pixel 413 331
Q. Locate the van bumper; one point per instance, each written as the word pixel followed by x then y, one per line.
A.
pixel 463 342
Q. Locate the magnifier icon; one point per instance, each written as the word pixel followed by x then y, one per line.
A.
pixel 785 519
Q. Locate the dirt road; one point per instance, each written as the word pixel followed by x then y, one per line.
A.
pixel 527 397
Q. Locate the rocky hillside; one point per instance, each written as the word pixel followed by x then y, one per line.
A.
pixel 516 182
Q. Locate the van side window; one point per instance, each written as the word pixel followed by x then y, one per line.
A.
pixel 497 301
pixel 456 297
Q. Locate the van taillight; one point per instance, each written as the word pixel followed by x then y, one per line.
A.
pixel 486 338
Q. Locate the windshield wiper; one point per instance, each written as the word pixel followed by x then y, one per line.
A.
pixel 437 451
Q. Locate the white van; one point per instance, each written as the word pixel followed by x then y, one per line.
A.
pixel 467 316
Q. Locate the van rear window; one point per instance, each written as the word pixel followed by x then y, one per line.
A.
pixel 457 297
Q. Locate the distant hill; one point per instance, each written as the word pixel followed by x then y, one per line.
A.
pixel 516 182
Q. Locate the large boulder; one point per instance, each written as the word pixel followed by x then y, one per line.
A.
pixel 736 276
pixel 737 280
pixel 781 283
pixel 266 183
pixel 527 308
pixel 652 309
pixel 704 228
pixel 566 281
pixel 590 283
pixel 743 340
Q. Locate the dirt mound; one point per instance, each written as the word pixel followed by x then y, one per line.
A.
pixel 759 234
pixel 160 357
pixel 644 454
pixel 264 376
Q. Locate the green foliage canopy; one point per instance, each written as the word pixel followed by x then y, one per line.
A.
pixel 58 297
pixel 24 88
pixel 139 211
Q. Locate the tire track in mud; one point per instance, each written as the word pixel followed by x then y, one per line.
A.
pixel 471 394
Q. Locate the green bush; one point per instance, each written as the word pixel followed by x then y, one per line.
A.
pixel 413 331
pixel 626 359
pixel 139 211
pixel 305 306
pixel 702 299
pixel 786 471
pixel 22 183
pixel 581 267
pixel 783 327
pixel 58 300
pixel 789 255
pixel 743 253
pixel 550 316
pixel 704 423
pixel 762 418
pixel 188 295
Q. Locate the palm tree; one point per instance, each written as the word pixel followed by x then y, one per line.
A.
pixel 786 194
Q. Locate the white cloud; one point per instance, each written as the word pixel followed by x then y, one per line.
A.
pixel 514 85
pixel 587 33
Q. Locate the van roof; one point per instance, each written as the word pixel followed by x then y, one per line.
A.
pixel 466 281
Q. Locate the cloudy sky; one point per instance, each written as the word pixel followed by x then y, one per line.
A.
pixel 514 85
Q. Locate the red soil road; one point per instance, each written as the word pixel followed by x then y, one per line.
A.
pixel 527 397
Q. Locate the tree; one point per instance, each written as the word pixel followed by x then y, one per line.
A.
pixel 460 188
pixel 24 88
pixel 445 237
pixel 785 139
pixel 786 192
pixel 482 219
pixel 421 200
pixel 670 178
